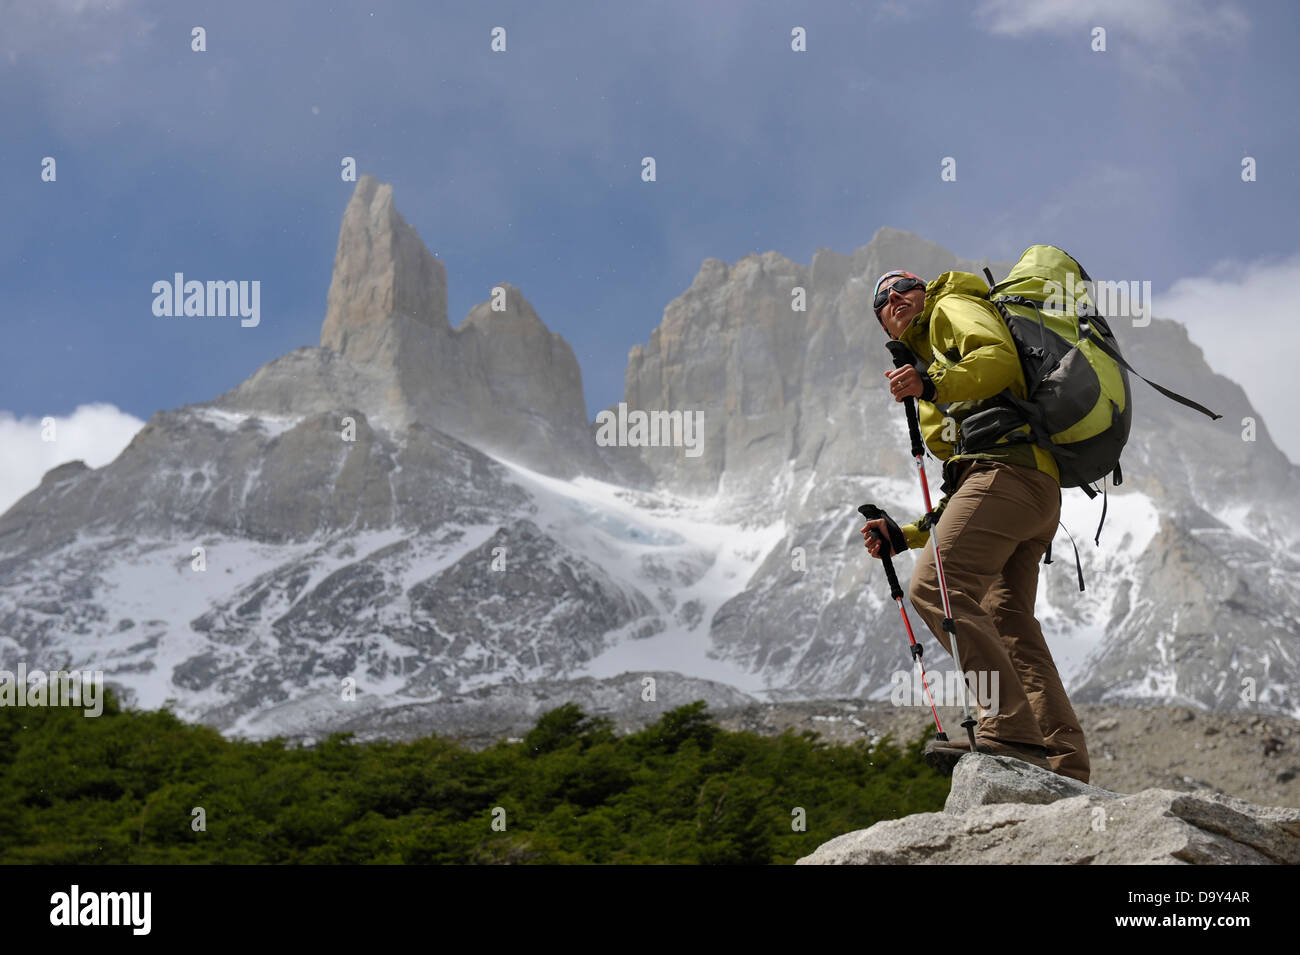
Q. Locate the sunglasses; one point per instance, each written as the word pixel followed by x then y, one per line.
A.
pixel 905 284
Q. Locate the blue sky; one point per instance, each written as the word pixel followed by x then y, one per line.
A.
pixel 524 166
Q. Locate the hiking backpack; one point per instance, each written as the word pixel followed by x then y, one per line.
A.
pixel 1079 405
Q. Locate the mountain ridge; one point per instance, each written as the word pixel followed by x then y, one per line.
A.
pixel 425 509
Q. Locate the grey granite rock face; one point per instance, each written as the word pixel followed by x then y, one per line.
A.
pixel 1002 811
pixel 382 269
pixel 501 380
pixel 311 380
pixel 1183 455
pixel 988 780
pixel 542 613
pixel 1206 610
pixel 774 384
pixel 192 472
pixel 519 606
pixel 518 389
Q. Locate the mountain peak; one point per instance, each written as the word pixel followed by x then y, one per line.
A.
pixel 892 248
pixel 517 314
pixel 712 273
pixel 502 381
pixel 382 269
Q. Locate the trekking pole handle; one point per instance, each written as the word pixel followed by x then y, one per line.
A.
pixel 901 354
pixel 871 513
pixel 895 590
pixel 903 357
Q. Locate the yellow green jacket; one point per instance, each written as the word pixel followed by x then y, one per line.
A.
pixel 966 349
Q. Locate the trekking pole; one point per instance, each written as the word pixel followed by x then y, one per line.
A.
pixel 871 513
pixel 902 358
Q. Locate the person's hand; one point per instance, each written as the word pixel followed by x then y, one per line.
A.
pixel 874 546
pixel 895 540
pixel 905 382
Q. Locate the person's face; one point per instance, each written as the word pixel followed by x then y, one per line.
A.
pixel 902 307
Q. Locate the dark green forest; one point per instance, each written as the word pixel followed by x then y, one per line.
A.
pixel 122 788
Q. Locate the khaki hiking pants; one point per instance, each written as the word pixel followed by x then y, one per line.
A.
pixel 992 534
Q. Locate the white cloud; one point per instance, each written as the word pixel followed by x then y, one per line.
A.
pixel 1153 39
pixel 1160 22
pixel 1243 317
pixel 94 433
pixel 95 31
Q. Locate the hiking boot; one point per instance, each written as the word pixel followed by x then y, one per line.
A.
pixel 942 755
pixel 1025 752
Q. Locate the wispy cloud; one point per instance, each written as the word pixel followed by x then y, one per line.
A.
pixel 1243 315
pixel 1155 38
pixel 1156 22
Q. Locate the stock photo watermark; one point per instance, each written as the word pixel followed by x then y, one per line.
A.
pixel 650 429
pixel 75 907
pixel 1131 300
pixel 907 688
pixel 212 299
pixel 75 688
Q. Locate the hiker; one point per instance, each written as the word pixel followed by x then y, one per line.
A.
pixel 1001 506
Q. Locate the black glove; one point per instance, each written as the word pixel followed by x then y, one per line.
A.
pixel 897 542
pixel 903 356
pixel 927 386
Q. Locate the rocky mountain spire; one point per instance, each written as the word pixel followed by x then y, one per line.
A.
pixel 381 269
pixel 501 381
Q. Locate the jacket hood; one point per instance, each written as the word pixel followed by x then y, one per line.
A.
pixel 949 283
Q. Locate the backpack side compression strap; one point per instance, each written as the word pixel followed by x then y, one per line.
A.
pixel 1101 343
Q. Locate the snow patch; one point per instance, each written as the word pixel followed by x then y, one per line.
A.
pixel 603 523
pixel 271 425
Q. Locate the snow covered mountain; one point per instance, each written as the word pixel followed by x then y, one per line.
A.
pixel 427 511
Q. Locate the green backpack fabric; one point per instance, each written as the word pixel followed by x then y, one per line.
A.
pixel 1080 407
